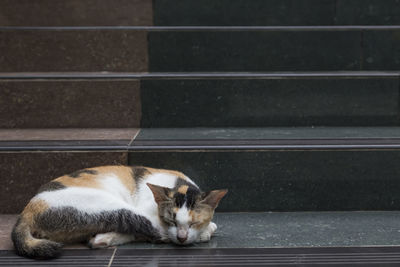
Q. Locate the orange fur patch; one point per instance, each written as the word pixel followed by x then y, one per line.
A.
pixel 34 207
pixel 84 180
pixel 123 173
pixel 204 216
pixel 183 189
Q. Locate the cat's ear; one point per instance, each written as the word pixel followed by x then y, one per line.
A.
pixel 160 193
pixel 212 198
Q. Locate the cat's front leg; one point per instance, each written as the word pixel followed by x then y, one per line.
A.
pixel 109 239
pixel 205 236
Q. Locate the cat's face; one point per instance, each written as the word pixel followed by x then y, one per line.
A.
pixel 186 212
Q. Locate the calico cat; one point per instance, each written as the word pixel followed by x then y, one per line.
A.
pixel 113 205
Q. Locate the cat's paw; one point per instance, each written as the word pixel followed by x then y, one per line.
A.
pixel 101 241
pixel 206 235
pixel 109 239
pixel 212 227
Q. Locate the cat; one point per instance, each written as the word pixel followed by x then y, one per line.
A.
pixel 113 205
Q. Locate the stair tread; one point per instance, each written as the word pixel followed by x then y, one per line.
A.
pixel 268 133
pixel 281 229
pixel 138 75
pixel 206 138
pixel 67 138
pixel 208 28
pixel 269 137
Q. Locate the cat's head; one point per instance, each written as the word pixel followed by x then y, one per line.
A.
pixel 185 211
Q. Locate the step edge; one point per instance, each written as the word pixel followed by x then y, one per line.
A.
pixel 193 75
pixel 258 147
pixel 206 28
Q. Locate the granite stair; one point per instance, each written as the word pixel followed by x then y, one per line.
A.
pixel 293 105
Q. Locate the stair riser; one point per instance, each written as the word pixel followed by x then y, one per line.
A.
pixel 23 173
pixel 198 13
pixel 76 13
pixel 230 102
pixel 330 180
pixel 275 12
pixel 66 103
pixel 280 50
pixel 126 50
pixel 73 50
pixel 269 102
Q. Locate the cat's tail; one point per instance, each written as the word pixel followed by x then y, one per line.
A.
pixel 28 246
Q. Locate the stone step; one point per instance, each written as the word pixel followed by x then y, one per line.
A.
pixel 285 169
pixel 199 49
pixel 313 48
pixel 289 230
pixel 275 12
pixel 76 13
pixel 198 12
pixel 69 103
pixel 129 100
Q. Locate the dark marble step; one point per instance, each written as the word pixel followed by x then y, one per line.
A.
pixel 274 49
pixel 266 169
pixel 323 230
pixel 289 180
pixel 198 13
pixel 271 138
pixel 275 12
pixel 270 101
pixel 283 169
pixel 126 100
pixel 307 257
pixel 201 49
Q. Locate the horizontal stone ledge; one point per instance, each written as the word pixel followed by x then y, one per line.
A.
pixel 195 75
pixel 204 28
pixel 205 139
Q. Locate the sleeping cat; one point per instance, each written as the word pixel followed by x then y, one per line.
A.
pixel 113 205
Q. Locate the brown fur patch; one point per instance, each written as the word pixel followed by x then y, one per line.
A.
pixel 183 189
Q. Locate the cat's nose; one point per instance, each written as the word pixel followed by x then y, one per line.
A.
pixel 182 239
pixel 182 235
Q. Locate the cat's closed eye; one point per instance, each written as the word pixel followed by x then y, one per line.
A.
pixel 170 220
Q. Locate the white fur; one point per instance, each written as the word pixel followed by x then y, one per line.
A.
pixel 113 185
pixel 182 216
pixel 144 198
pixel 110 239
pixel 84 199
pixel 206 235
pixel 114 195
